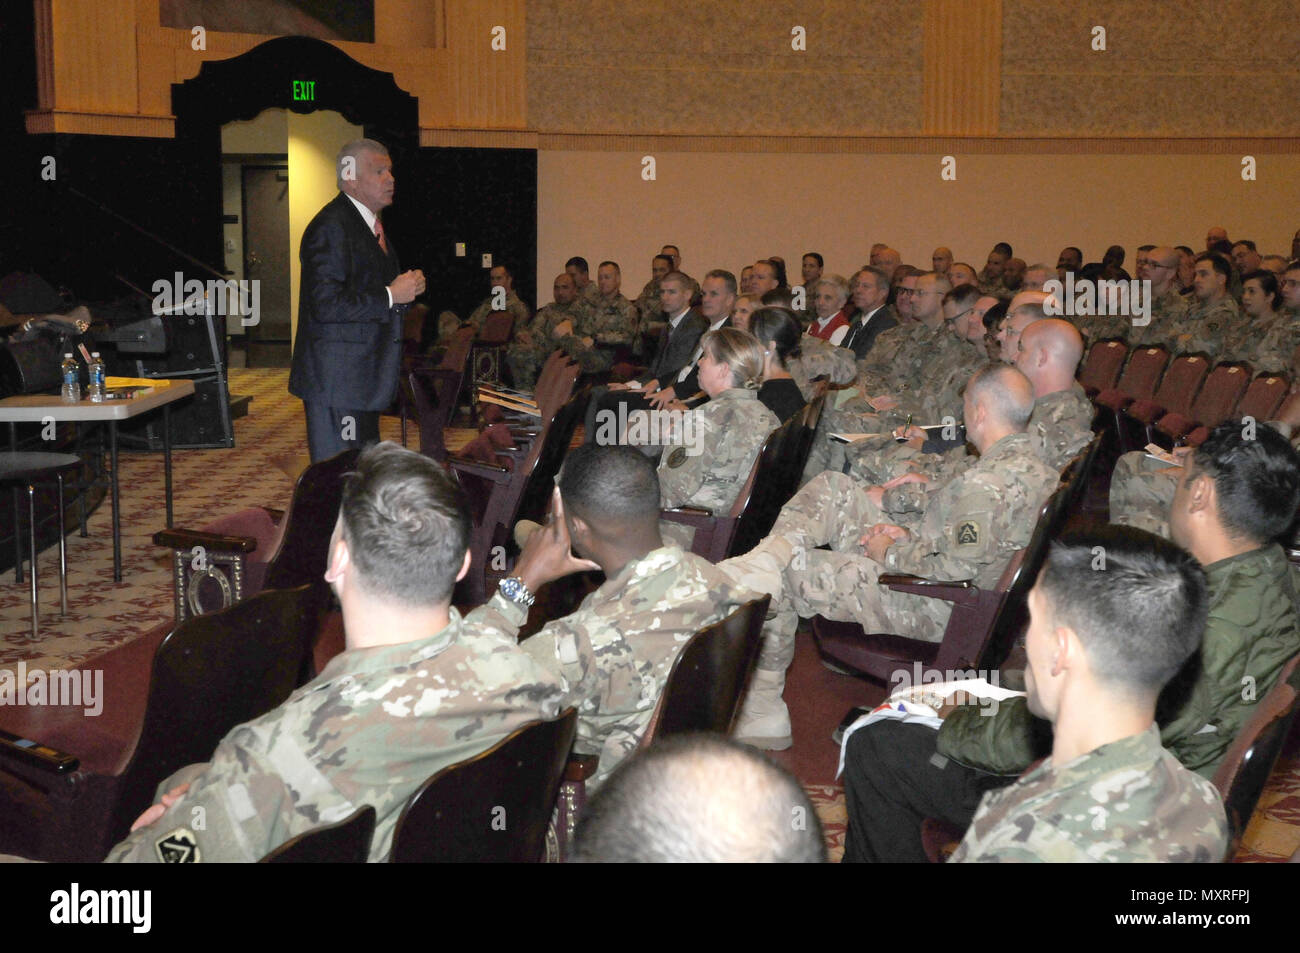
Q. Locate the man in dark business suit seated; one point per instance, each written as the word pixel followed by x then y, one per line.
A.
pixel 347 353
pixel 717 299
pixel 676 345
pixel 870 287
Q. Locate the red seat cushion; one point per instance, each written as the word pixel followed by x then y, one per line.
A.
pixel 1145 411
pixel 1114 399
pixel 1175 424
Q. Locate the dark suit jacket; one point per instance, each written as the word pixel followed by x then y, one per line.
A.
pixel 859 339
pixel 348 349
pixel 691 386
pixel 676 349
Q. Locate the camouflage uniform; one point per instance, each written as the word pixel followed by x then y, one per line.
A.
pixel 816 359
pixel 513 305
pixel 1059 427
pixel 610 323
pixel 613 654
pixel 1272 349
pixel 898 357
pixel 370 729
pixel 729 430
pixel 589 293
pixel 969 529
pixel 1141 492
pixel 1129 801
pixel 1168 318
pixel 526 359
pixel 1208 326
pixel 993 288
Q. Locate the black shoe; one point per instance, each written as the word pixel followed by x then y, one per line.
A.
pixel 854 714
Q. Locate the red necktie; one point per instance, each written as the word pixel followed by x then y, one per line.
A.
pixel 379 234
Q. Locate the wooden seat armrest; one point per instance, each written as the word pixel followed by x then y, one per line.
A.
pixel 690 515
pixel 960 590
pixel 28 758
pixel 581 767
pixel 189 538
pixel 490 471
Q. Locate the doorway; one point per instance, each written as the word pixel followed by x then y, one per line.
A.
pixel 265 216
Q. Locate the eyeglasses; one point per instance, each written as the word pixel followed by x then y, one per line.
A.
pixel 960 313
pixel 1153 264
pixel 906 292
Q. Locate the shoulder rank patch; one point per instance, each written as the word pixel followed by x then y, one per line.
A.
pixel 677 457
pixel 968 533
pixel 178 847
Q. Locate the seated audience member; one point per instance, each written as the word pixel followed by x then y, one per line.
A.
pixel 613 319
pixel 1036 276
pixel 1274 333
pixel 1168 306
pixel 993 320
pixel 1216 234
pixel 711 449
pixel 1245 257
pixel 614 653
pixel 647 303
pixel 747 279
pixel 362 731
pixel 1274 263
pixel 578 269
pixel 717 298
pixel 502 280
pixel 960 273
pixel 746 305
pixel 1013 274
pixel 673 353
pixel 766 277
pixel 777 334
pixel 941 260
pixel 1213 318
pixel 830 300
pixel 1230 506
pixel 1186 268
pixel 554 326
pixel 990 279
pixel 699 799
pixel 870 288
pixel 1102 643
pixel 1069 261
pixel 811 270
pixel 967 529
pixel 889 261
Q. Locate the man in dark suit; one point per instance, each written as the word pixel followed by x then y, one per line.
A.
pixel 676 345
pixel 870 292
pixel 347 352
pixel 717 299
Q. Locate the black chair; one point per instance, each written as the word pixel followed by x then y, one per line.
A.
pixel 344 842
pixel 494 807
pixel 1249 762
pixel 28 469
pixel 210 674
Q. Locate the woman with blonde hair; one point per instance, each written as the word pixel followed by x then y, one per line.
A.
pixel 709 455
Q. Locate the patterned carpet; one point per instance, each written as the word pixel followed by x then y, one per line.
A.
pixel 271 450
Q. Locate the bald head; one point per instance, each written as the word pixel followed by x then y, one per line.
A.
pixel 699 799
pixel 1217 233
pixel 1025 308
pixel 1162 268
pixel 1049 354
pixel 941 259
pixel 998 401
pixel 888 261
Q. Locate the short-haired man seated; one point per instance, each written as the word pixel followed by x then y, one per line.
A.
pixel 700 799
pixel 1233 500
pixel 1112 618
pixel 614 653
pixel 416 689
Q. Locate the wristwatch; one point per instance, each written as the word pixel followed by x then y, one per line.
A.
pixel 513 588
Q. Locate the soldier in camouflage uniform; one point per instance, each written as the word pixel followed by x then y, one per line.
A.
pixel 1107 793
pixel 531 345
pixel 1274 331
pixel 1213 317
pixel 1168 306
pixel 1128 801
pixel 1060 425
pixel 968 529
pixel 819 359
pixel 397 706
pixel 611 323
pixel 709 458
pixel 577 269
pixel 501 279
pixel 613 654
pixel 650 315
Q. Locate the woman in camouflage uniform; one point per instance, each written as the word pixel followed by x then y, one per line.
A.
pixel 712 451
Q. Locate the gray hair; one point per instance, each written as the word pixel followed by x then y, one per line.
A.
pixel 838 282
pixel 353 150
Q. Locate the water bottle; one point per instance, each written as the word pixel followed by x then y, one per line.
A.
pixel 96 378
pixel 71 379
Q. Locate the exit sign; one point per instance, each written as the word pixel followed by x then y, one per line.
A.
pixel 304 90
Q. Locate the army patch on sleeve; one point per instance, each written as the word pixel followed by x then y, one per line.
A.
pixel 178 847
pixel 677 457
pixel 968 533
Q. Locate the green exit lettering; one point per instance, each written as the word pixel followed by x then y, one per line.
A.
pixel 304 90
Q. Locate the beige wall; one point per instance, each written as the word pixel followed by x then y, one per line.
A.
pixel 725 210
pixel 314 141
